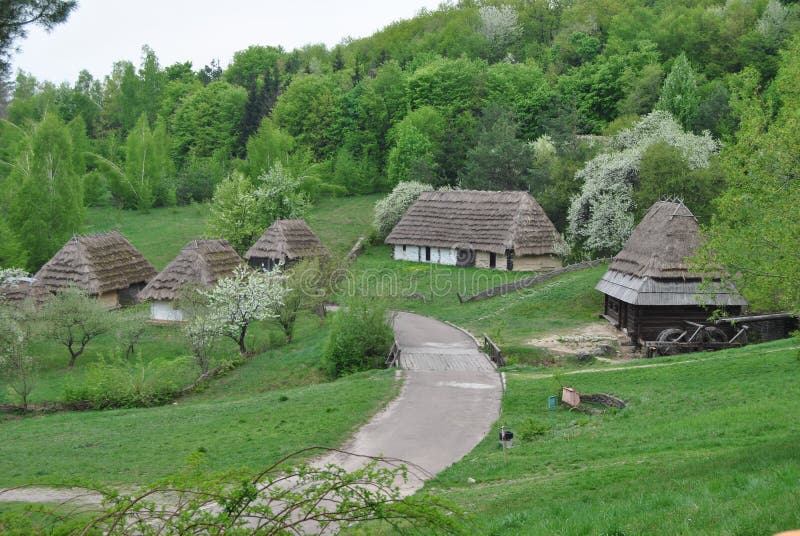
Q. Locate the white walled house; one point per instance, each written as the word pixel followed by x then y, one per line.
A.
pixel 201 263
pixel 498 230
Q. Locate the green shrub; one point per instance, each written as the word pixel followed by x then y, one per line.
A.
pixel 119 383
pixel 360 338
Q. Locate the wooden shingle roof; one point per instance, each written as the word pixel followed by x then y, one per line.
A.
pixel 287 239
pixel 653 267
pixel 482 221
pixel 96 263
pixel 201 263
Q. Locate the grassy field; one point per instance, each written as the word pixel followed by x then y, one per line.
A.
pixel 339 221
pixel 140 445
pixel 159 233
pixel 708 445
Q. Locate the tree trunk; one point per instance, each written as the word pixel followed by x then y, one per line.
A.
pixel 240 341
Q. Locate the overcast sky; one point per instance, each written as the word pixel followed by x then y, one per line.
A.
pixel 100 32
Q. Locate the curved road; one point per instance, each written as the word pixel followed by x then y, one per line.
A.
pixel 449 400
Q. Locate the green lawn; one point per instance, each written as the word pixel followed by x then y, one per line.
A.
pixel 339 221
pixel 140 445
pixel 706 446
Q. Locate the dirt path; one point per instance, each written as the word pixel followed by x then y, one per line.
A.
pixel 449 400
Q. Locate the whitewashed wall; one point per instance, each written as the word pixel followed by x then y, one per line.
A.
pixel 417 254
pixel 163 310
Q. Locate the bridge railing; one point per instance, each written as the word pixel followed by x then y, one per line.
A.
pixel 394 355
pixel 493 351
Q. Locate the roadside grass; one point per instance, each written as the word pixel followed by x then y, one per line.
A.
pixel 141 445
pixel 708 446
pixel 159 233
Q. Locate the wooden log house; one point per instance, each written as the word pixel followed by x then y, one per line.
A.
pixel 649 286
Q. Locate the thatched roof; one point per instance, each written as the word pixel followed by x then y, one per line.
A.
pixel 96 263
pixel 16 291
pixel 201 262
pixel 287 239
pixel 482 221
pixel 653 267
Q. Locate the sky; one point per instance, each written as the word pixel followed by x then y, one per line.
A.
pixel 100 32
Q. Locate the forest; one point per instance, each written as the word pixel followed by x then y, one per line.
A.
pixel 598 108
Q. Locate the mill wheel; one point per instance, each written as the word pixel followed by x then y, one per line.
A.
pixel 714 334
pixel 669 335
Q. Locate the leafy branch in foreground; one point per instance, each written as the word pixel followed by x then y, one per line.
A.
pixel 305 499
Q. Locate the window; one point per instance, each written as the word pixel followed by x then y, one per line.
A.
pixel 404 248
pixel 510 260
pixel 492 260
pixel 427 253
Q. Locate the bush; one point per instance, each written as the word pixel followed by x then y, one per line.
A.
pixel 360 339
pixel 391 208
pixel 119 383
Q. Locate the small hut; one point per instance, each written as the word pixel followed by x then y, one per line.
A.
pixel 201 263
pixel 104 265
pixel 285 242
pixel 501 230
pixel 649 286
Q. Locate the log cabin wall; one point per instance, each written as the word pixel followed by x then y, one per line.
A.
pixel 646 322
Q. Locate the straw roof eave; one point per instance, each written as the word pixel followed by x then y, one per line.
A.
pixel 481 221
pixel 201 263
pixel 287 239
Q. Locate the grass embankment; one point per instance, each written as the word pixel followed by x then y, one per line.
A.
pixel 707 445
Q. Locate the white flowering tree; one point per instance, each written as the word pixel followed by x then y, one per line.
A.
pixel 500 26
pixel 601 216
pixel 245 297
pixel 241 208
pixel 391 208
pixel 16 366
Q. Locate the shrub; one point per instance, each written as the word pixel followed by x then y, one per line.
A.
pixel 119 383
pixel 360 338
pixel 391 208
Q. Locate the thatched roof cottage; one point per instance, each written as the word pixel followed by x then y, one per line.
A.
pixel 649 286
pixel 502 230
pixel 285 242
pixel 200 263
pixel 105 265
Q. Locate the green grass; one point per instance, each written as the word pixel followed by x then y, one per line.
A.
pixel 140 445
pixel 706 446
pixel 159 233
pixel 164 342
pixel 339 221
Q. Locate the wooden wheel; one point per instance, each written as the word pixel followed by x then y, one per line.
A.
pixel 669 335
pixel 715 334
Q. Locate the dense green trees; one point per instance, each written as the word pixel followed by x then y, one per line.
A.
pixel 756 231
pixel 420 100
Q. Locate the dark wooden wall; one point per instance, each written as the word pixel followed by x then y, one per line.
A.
pixel 646 322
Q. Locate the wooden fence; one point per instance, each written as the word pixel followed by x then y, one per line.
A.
pixel 493 351
pixel 520 284
pixel 394 355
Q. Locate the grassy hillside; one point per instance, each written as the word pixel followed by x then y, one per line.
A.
pixel 159 234
pixel 140 445
pixel 707 445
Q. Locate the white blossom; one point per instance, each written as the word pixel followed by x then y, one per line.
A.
pixel 391 208
pixel 500 25
pixel 243 298
pixel 600 216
